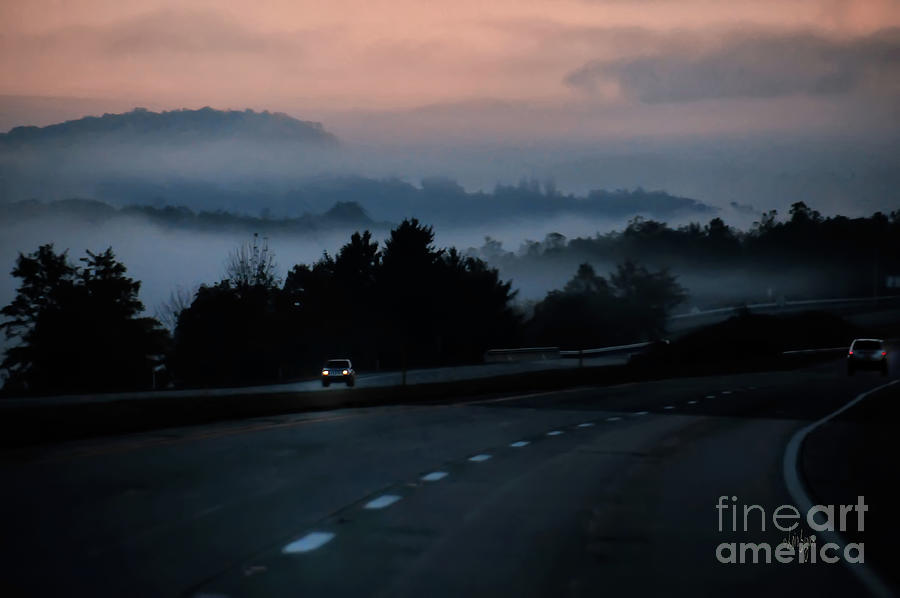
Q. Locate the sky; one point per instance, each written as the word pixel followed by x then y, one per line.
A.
pixel 513 69
pixel 755 102
pixel 760 102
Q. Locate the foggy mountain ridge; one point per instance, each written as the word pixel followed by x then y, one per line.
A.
pixel 171 127
pixel 360 200
pixel 248 162
pixel 342 215
pixel 351 202
pixel 442 200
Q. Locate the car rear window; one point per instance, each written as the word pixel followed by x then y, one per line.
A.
pixel 866 345
pixel 337 363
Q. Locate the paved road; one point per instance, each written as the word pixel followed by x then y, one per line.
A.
pixel 364 380
pixel 585 492
pixel 860 311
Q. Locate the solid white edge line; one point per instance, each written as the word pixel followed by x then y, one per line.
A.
pixel 802 500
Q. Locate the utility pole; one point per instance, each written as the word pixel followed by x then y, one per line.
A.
pixel 875 277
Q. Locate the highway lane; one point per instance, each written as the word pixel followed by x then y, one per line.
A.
pixel 364 380
pixel 861 311
pixel 621 499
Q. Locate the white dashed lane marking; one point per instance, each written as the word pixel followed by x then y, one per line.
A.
pixel 382 502
pixel 726 392
pixel 434 476
pixel 308 543
pixel 642 413
pixel 554 433
pixel 710 396
pixel 692 402
pixel 669 407
pixel 586 425
pixel 613 419
pixel 519 444
pixel 480 458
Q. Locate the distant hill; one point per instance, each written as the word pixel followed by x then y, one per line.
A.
pixel 246 162
pixel 443 201
pixel 343 215
pixel 172 127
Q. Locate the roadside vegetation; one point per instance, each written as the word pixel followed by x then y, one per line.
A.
pixel 804 255
pixel 398 304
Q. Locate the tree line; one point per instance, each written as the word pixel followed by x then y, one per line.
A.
pixel 401 304
pixel 398 304
pixel 826 256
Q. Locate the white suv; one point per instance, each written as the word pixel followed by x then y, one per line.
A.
pixel 338 370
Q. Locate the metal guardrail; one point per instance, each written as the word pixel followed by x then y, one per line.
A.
pixel 495 355
pixel 521 354
pixel 542 353
pixel 787 304
pixel 604 350
pixel 522 350
pixel 813 351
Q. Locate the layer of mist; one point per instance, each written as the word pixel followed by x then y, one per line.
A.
pixel 251 170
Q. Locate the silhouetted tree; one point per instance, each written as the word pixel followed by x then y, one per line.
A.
pixel 231 335
pixel 46 290
pixel 475 308
pixel 802 214
pixel 586 281
pixel 646 298
pixel 233 331
pixel 580 316
pixel 78 329
pixel 591 311
pixel 407 287
pixel 179 300
pixel 252 264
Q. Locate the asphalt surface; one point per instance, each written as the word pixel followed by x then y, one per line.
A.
pixel 364 380
pixel 860 311
pixel 584 492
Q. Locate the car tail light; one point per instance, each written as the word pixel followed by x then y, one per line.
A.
pixel 851 353
pixel 345 372
pixel 884 353
pixel 324 372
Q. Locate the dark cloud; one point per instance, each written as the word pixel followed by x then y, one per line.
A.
pixel 762 65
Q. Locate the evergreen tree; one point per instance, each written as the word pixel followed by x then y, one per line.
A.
pixel 78 329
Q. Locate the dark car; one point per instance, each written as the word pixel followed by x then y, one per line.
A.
pixel 338 370
pixel 867 354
